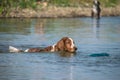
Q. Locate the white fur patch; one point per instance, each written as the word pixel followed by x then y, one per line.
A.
pixel 26 50
pixel 53 48
pixel 72 43
pixel 13 49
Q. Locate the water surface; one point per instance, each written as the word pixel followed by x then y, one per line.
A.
pixel 90 35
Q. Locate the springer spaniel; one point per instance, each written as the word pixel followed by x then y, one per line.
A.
pixel 65 44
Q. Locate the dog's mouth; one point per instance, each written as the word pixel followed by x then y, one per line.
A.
pixel 72 50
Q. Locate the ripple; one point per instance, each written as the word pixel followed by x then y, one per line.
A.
pixel 99 54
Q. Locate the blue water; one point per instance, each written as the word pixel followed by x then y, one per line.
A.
pixel 101 39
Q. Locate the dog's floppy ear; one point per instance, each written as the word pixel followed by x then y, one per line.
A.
pixel 60 46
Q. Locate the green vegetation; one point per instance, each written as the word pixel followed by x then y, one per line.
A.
pixel 27 3
pixel 105 3
pixel 7 5
pixel 59 2
pixel 110 3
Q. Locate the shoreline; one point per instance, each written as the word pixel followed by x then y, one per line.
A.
pixel 59 12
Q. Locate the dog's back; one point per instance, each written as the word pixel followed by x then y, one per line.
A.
pixel 64 44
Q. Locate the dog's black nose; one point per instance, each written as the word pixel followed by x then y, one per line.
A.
pixel 75 48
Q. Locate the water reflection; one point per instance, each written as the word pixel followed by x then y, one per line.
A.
pixel 66 54
pixel 39 26
pixel 71 72
pixel 96 26
pixel 15 26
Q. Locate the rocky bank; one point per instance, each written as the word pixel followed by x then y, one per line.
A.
pixel 59 12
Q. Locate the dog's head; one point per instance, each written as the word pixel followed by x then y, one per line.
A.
pixel 66 44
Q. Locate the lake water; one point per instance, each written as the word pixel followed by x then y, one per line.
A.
pixel 93 38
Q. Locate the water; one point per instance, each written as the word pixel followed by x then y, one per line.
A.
pixel 92 37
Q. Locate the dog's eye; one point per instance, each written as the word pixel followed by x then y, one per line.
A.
pixel 73 42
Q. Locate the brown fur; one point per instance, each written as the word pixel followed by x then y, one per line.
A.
pixel 40 50
pixel 65 44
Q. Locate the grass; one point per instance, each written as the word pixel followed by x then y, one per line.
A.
pixel 7 5
pixel 104 3
pixel 110 3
